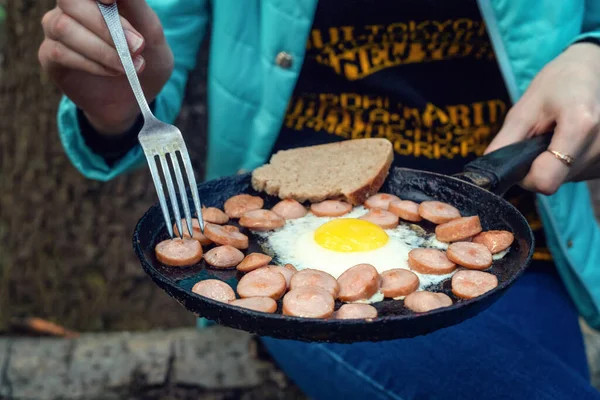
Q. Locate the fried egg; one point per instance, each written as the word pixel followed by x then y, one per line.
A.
pixel 334 245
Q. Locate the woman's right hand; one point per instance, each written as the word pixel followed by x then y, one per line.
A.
pixel 79 56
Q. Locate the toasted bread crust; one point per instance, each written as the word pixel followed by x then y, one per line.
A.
pixel 360 195
pixel 282 177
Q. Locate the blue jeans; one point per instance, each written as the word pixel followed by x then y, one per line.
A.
pixel 528 345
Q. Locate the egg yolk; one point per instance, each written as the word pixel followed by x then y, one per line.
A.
pixel 350 235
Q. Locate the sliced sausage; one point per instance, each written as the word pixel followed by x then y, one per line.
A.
pixel 262 282
pixel 230 228
pixel 495 241
pixel 179 252
pixel 308 302
pixel 330 208
pixel 360 282
pixel 289 209
pixel 223 257
pixel 261 220
pixel 236 206
pixel 226 236
pixel 253 261
pixel 384 219
pixel 468 284
pixel 214 216
pixel 314 277
pixel 438 212
pixel 458 229
pixel 356 311
pixel 398 282
pixel 287 273
pixel 290 267
pixel 262 304
pixel 380 201
pixel 196 234
pixel 214 289
pixel 426 301
pixel 470 255
pixel 406 210
pixel 430 261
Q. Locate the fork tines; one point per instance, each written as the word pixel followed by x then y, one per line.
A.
pixel 152 157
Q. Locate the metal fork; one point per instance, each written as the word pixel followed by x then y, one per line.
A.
pixel 158 139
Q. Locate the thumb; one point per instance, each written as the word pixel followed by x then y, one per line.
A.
pixel 521 123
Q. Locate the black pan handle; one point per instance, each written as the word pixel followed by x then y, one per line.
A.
pixel 505 167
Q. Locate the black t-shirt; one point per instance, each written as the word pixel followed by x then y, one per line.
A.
pixel 421 73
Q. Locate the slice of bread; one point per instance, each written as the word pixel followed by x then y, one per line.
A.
pixel 351 170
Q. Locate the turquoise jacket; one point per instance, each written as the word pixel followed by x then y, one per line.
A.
pixel 250 86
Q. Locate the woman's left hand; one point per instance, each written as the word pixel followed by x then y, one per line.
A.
pixel 565 95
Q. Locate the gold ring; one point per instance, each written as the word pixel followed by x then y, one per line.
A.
pixel 564 158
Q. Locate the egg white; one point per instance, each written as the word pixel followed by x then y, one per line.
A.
pixel 294 244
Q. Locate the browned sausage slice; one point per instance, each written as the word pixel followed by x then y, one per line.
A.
pixel 380 201
pixel 468 284
pixel 438 212
pixel 261 220
pixel 290 267
pixel 287 273
pixel 470 255
pixel 458 229
pixel 398 282
pixel 223 257
pixel 214 216
pixel 197 233
pixel 330 208
pixel 262 282
pixel 406 210
pixel 226 236
pixel 214 289
pixel 314 277
pixel 308 302
pixel 179 252
pixel 253 261
pixel 262 304
pixel 360 282
pixel 237 205
pixel 495 241
pixel 289 209
pixel 356 311
pixel 430 261
pixel 426 301
pixel 230 228
pixel 384 219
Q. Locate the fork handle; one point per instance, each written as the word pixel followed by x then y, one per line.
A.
pixel 110 13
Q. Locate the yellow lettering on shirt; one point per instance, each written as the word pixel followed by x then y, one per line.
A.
pixel 357 52
pixel 432 132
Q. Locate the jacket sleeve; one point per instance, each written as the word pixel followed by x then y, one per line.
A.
pixel 590 27
pixel 184 23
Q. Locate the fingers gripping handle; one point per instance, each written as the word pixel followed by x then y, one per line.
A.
pixel 111 16
pixel 507 166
